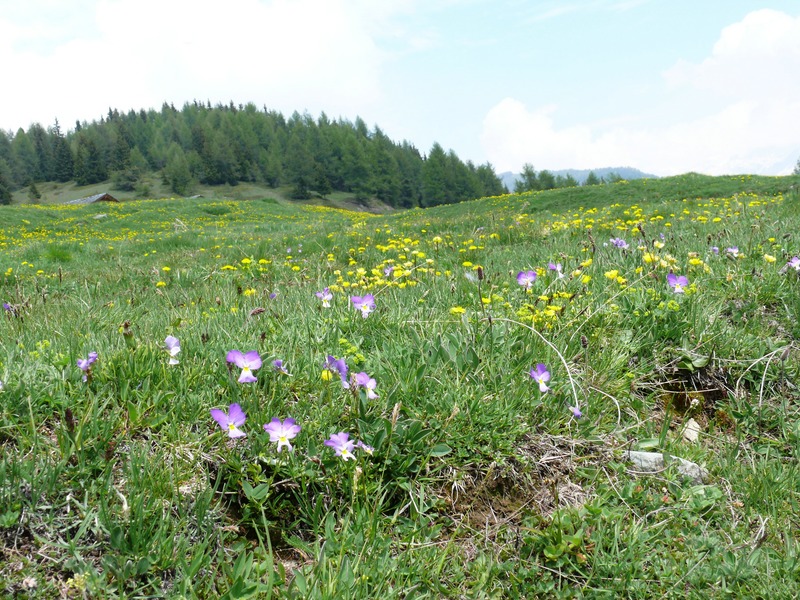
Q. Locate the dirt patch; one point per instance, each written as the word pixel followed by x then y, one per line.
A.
pixel 539 479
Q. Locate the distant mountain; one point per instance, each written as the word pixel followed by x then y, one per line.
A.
pixel 509 179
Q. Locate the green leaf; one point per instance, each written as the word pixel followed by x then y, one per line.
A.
pixel 441 450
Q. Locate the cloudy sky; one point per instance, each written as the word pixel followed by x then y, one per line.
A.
pixel 666 86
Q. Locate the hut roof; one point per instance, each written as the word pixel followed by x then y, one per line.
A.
pixel 103 197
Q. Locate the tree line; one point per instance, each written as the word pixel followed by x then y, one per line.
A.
pixel 229 144
pixel 530 180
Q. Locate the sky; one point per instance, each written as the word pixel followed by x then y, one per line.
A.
pixel 665 86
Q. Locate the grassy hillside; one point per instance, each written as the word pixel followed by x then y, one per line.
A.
pixel 60 193
pixel 465 472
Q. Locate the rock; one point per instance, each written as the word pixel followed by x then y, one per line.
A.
pixel 653 462
pixel 691 431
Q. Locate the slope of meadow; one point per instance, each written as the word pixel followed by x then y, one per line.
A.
pixel 468 477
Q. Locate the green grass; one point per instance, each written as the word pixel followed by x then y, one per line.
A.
pixel 479 485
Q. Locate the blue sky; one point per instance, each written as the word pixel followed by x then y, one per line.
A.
pixel 667 86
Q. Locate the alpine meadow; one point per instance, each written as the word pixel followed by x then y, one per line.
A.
pixel 580 392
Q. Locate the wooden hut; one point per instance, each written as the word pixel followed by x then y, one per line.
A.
pixel 104 197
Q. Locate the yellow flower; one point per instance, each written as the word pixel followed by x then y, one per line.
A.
pixel 769 258
pixel 612 274
pixel 326 375
pixel 161 284
pixel 249 292
pixel 458 310
pixel 166 269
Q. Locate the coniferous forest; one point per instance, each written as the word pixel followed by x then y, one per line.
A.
pixel 240 143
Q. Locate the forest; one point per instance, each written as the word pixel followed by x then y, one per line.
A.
pixel 229 144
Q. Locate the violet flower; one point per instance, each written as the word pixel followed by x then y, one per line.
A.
pixel 342 445
pixel 557 268
pixel 794 262
pixel 733 251
pixel 173 348
pixel 366 304
pixel 282 432
pixel 368 449
pixel 277 364
pixel 368 383
pixel 576 412
pixel 677 282
pixel 230 421
pixel 526 278
pixel 541 376
pixel 246 362
pixel 326 296
pixel 337 365
pixel 85 365
pixel 619 243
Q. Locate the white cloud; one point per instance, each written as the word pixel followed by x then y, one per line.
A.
pixel 286 54
pixel 752 124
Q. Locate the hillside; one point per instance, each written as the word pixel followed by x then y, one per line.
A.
pixel 586 392
pixel 200 145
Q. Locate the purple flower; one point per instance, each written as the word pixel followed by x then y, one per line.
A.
pixel 282 432
pixel 715 249
pixel 85 365
pixel 365 304
pixel 326 296
pixel 556 267
pixel 343 446
pixel 230 421
pixel 277 364
pixel 541 376
pixel 7 306
pixel 337 365
pixel 273 295
pixel 677 282
pixel 388 271
pixel 173 347
pixel 368 383
pixel 526 278
pixel 246 362
pixel 368 449
pixel 794 262
pixel 733 251
pixel 576 412
pixel 619 243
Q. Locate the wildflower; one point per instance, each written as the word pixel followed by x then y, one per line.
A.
pixel 365 304
pixel 282 432
pixel 769 258
pixel 337 365
pixel 343 446
pixel 557 268
pixel 458 310
pixel 326 296
pixel 619 243
pixel 173 347
pixel 794 262
pixel 277 364
pixel 85 365
pixel 733 251
pixel 677 282
pixel 368 383
pixel 388 271
pixel 715 249
pixel 246 362
pixel 526 278
pixel 230 421
pixel 576 412
pixel 368 449
pixel 541 376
